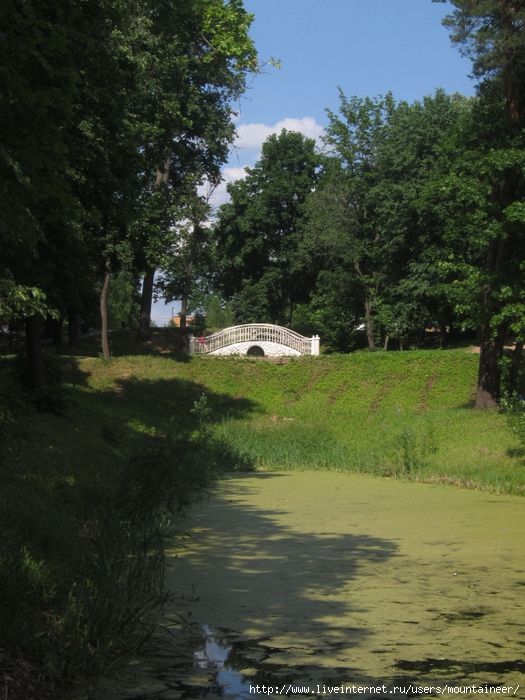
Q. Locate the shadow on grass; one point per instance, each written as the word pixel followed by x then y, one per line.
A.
pixel 516 453
pixel 84 496
pixel 123 343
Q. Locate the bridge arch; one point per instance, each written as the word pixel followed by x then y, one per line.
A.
pixel 272 340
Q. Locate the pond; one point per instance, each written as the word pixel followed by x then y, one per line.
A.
pixel 307 584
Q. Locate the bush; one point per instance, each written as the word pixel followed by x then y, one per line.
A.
pixel 514 407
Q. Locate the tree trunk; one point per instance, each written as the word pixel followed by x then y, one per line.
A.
pixel 187 285
pixel 516 362
pixel 144 331
pixel 368 323
pixel 72 322
pixel 442 332
pixel 479 335
pixel 58 330
pixel 489 375
pixel 284 304
pixel 387 338
pixel 104 312
pixel 34 351
pixel 186 295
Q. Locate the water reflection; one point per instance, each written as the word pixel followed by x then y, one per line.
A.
pixel 214 655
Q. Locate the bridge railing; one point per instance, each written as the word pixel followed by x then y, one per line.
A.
pixel 255 332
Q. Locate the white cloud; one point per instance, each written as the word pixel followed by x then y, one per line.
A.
pixel 250 137
pixel 232 174
pixel 247 149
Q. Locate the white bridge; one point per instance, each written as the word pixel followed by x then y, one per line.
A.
pixel 255 340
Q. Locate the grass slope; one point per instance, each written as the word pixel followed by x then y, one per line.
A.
pixel 385 413
pixel 393 413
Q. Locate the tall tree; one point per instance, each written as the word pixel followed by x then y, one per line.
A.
pixel 341 229
pixel 37 84
pixel 491 33
pixel 202 55
pixel 189 256
pixel 258 235
pixel 94 96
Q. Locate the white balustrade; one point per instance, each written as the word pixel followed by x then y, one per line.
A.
pixel 254 333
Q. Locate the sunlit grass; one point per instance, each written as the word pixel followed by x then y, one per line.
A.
pixel 398 414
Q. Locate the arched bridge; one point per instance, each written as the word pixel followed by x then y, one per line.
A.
pixel 255 339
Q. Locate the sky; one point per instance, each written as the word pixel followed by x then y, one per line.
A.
pixel 364 47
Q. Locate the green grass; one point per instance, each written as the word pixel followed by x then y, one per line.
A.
pixel 87 491
pixel 88 494
pixel 404 414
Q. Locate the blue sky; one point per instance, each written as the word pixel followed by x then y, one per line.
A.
pixel 366 47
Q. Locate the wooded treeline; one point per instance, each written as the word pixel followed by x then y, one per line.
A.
pixel 412 217
pixel 113 113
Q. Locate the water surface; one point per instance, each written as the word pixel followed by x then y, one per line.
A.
pixel 313 579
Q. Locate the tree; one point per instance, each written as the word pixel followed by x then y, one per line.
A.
pixel 37 82
pixel 491 175
pixel 189 254
pixel 100 95
pixel 218 315
pixel 203 53
pixel 257 233
pixel 410 156
pixel 341 227
pixel 363 229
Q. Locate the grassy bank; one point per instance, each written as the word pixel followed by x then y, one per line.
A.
pixel 404 414
pixel 408 413
pixel 88 490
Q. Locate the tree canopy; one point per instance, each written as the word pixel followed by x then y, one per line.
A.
pixel 98 98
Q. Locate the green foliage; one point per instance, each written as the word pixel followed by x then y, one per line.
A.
pixel 17 301
pixel 217 315
pixel 514 407
pixel 491 34
pixel 90 497
pixel 99 98
pixel 201 410
pixel 257 233
pixel 123 302
pixel 413 446
pixel 362 228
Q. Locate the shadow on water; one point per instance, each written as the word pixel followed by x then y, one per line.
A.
pixel 288 591
pixel 280 589
pixel 287 594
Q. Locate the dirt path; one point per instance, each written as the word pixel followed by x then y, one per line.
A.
pixel 316 578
